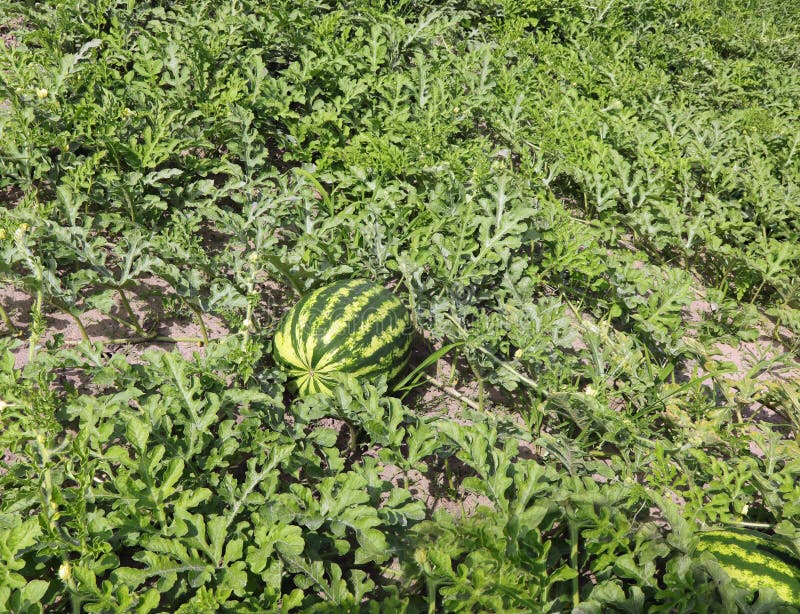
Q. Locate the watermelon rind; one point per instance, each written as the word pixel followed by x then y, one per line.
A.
pixel 354 327
pixel 754 561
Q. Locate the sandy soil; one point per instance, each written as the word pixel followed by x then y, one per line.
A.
pixel 148 304
pixel 7 30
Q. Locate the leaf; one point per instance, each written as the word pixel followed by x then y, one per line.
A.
pixel 562 574
pixel 234 578
pixel 165 569
pixel 137 432
pixel 22 535
pixel 233 551
pixel 149 601
pixel 171 475
pixel 33 591
pixel 217 532
pixel 373 546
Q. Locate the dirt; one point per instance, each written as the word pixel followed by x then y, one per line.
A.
pixel 746 354
pixel 8 29
pixel 148 304
pixel 433 489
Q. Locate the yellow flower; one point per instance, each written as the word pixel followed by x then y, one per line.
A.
pixel 42 93
pixel 65 571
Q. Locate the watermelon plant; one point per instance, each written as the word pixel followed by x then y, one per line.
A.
pixel 587 214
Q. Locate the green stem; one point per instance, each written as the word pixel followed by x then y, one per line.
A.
pixel 502 363
pixel 758 291
pixel 7 321
pixel 452 392
pixel 448 473
pixel 134 326
pixel 151 338
pixel 134 321
pixel 326 198
pixel 752 525
pixel 294 282
pixel 248 317
pixel 36 312
pixel 46 489
pixel 573 558
pixel 430 584
pixel 129 202
pixel 76 319
pixel 199 317
pixel 412 304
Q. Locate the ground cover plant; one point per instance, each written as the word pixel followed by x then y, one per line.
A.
pixel 590 211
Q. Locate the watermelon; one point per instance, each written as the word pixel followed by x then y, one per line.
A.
pixel 754 561
pixel 354 326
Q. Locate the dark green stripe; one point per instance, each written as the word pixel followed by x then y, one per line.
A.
pixel 354 289
pixel 360 318
pixel 298 309
pixel 308 304
pixel 373 328
pixel 749 540
pixel 400 343
pixel 765 575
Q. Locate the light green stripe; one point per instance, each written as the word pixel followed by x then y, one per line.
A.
pixel 389 337
pixel 349 315
pixel 378 317
pixel 733 554
pixel 333 301
pixel 284 350
pixel 744 559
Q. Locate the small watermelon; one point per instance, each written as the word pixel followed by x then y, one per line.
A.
pixel 354 326
pixel 754 560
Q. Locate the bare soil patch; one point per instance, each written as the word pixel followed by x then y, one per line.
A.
pixel 148 304
pixel 8 31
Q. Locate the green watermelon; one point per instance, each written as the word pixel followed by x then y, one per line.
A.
pixel 355 326
pixel 754 561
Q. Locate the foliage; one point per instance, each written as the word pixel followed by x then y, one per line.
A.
pixel 582 202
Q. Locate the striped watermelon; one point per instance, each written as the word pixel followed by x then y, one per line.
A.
pixel 753 561
pixel 355 326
